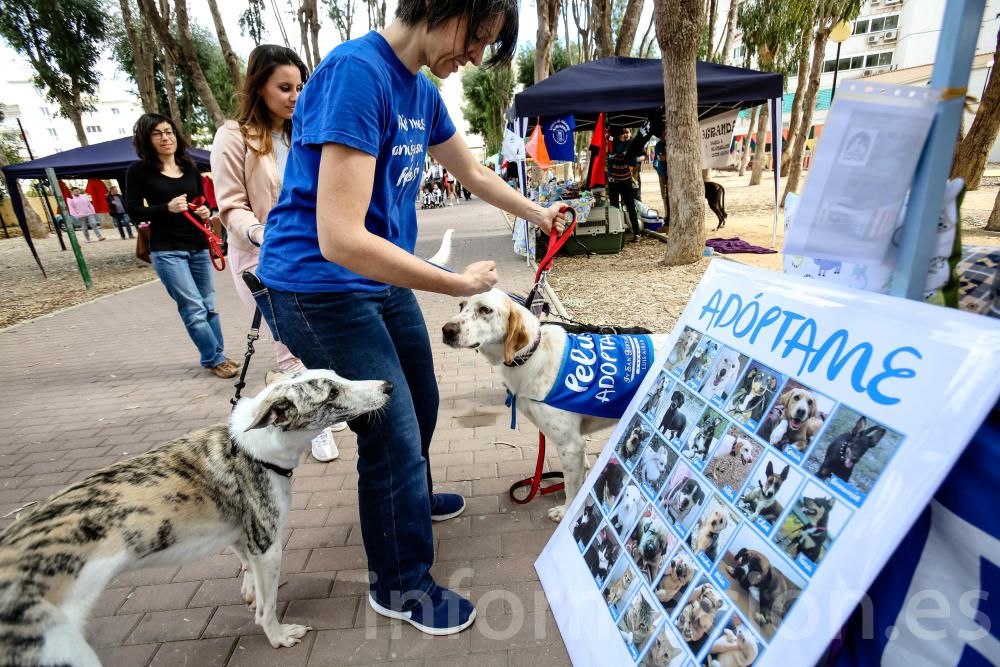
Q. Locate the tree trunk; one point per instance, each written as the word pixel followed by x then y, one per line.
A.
pixel 565 18
pixel 993 224
pixel 232 60
pixel 37 227
pixel 182 53
pixel 679 25
pixel 711 10
pixel 581 17
pixel 745 157
pixel 548 24
pixel 727 43
pixel 759 153
pixel 808 104
pixel 973 151
pixel 73 112
pixel 602 28
pixel 648 39
pixel 629 27
pixel 144 73
pixel 793 121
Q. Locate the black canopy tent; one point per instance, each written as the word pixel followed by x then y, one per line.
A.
pixel 108 160
pixel 629 91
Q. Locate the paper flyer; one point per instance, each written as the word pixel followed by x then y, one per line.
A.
pixel 765 471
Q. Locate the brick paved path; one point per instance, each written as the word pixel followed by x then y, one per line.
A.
pixel 95 384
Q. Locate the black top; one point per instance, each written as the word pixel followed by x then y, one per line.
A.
pixel 168 231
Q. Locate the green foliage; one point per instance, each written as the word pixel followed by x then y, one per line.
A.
pixel 525 61
pixel 772 31
pixel 488 92
pixel 10 147
pixel 252 21
pixel 196 123
pixel 62 40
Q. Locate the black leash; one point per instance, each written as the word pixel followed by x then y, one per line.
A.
pixel 256 288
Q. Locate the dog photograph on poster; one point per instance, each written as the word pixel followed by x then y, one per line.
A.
pixel 681 353
pixel 603 552
pixel 635 437
pixel 722 376
pixel 706 432
pixel 852 452
pixel 732 462
pixel 735 646
pixel 770 490
pixel 638 621
pixel 655 395
pixel 712 530
pixel 813 524
pixel 665 650
pixel 795 419
pixel 677 575
pixel 649 543
pixel 585 523
pixel 697 368
pixel 610 483
pixel 683 497
pixel 655 464
pixel 763 585
pixel 753 395
pixel 683 408
pixel 621 581
pixel 701 612
pixel 628 509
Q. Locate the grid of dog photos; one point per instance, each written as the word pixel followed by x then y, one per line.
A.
pixel 722 496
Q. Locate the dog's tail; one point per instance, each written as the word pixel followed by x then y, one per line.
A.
pixel 722 202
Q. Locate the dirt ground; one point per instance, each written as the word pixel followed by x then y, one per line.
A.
pixel 610 289
pixel 26 294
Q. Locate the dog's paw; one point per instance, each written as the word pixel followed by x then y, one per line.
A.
pixel 762 620
pixel 557 513
pixel 287 635
pixel 247 590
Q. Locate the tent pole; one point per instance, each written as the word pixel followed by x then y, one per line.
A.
pixel 48 209
pixel 776 105
pixel 70 232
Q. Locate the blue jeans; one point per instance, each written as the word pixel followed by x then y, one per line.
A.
pixel 187 277
pixel 377 336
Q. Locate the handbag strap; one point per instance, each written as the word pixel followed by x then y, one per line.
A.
pixel 214 242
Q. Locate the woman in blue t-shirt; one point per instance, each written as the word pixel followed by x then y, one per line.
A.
pixel 337 259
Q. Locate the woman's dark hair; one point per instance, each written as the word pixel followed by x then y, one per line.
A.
pixel 142 141
pixel 253 116
pixel 477 12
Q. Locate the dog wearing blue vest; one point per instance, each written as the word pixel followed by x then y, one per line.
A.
pixel 564 383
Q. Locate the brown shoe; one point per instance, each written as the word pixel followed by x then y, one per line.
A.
pixel 224 370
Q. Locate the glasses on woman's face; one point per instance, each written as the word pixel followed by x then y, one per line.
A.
pixel 162 134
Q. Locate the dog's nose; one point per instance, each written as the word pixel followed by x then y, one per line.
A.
pixel 450 331
pixel 387 388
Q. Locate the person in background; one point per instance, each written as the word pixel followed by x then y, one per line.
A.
pixel 248 163
pixel 160 186
pixel 338 264
pixel 621 188
pixel 116 206
pixel 660 164
pixel 81 208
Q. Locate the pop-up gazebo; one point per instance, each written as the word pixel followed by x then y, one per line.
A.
pixel 109 159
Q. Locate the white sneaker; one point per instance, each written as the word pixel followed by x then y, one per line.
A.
pixel 324 449
pixel 339 426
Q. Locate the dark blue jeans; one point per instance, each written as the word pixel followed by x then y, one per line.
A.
pixel 189 279
pixel 377 336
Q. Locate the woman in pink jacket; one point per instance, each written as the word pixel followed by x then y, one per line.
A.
pixel 248 162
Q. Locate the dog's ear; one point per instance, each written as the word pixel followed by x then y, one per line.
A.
pixel 787 396
pixel 859 426
pixel 274 410
pixel 517 335
pixel 273 376
pixel 784 473
pixel 770 469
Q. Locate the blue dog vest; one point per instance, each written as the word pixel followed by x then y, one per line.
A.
pixel 600 374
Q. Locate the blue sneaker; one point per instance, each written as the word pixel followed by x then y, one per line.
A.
pixel 439 612
pixel 446 506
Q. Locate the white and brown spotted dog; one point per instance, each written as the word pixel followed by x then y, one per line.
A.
pixel 221 486
pixel 503 331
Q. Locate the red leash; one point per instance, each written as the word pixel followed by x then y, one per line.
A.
pixel 214 242
pixel 534 483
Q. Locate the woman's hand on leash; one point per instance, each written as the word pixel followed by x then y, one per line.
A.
pixel 478 277
pixel 550 218
pixel 203 212
pixel 178 204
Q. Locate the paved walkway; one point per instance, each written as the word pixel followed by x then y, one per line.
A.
pixel 99 383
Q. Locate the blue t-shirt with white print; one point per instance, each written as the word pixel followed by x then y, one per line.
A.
pixel 361 96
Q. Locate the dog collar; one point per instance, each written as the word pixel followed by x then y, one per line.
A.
pixel 284 472
pixel 522 358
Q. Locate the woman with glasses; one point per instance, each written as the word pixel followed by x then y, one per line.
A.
pixel 159 188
